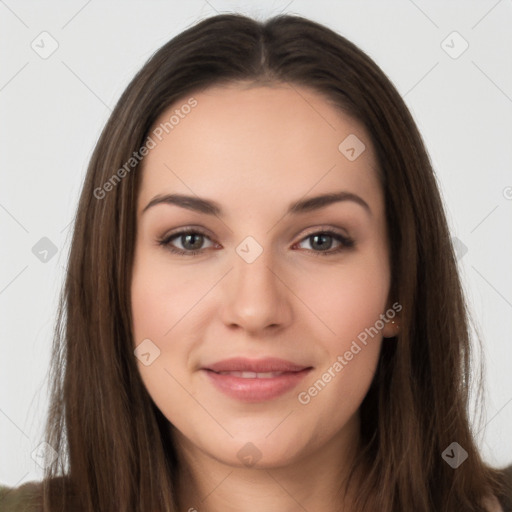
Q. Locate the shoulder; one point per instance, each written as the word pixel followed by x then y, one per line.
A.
pixel 493 505
pixel 24 498
pixel 506 497
pixel 28 497
pixel 503 501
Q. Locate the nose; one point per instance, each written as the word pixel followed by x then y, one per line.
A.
pixel 256 296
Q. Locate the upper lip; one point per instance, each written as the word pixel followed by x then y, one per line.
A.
pixel 268 364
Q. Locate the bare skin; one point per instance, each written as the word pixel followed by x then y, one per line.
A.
pixel 254 151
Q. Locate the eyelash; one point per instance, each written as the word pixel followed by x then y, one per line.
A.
pixel 346 242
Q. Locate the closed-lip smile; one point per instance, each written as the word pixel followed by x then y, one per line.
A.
pixel 255 380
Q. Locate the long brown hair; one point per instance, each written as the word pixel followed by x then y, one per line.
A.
pixel 114 446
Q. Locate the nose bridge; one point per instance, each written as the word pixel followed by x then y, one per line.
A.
pixel 252 270
pixel 257 298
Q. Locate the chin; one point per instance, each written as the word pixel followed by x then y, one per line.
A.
pixel 258 451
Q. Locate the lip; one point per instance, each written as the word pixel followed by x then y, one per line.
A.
pixel 255 389
pixel 267 364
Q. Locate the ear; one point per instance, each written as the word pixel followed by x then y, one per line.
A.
pixel 392 328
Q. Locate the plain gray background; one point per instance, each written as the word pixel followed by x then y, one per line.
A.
pixel 53 108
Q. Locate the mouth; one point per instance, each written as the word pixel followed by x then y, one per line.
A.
pixel 253 375
pixel 253 380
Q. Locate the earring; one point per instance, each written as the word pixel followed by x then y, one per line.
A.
pixel 397 325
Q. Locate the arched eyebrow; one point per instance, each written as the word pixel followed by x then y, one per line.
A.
pixel 210 207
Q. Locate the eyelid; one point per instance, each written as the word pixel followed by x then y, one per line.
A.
pixel 310 231
pixel 324 229
pixel 186 230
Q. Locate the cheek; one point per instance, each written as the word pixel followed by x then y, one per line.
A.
pixel 349 301
pixel 166 309
pixel 160 297
pixel 346 299
pixel 158 301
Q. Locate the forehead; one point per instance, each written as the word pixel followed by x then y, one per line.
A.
pixel 258 144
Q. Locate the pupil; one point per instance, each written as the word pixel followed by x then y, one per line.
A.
pixel 322 244
pixel 193 236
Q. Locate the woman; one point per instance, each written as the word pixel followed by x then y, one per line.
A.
pixel 264 377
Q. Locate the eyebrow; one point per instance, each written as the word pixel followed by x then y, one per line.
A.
pixel 210 207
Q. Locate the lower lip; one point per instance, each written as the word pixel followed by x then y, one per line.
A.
pixel 256 390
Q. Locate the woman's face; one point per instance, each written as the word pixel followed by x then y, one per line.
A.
pixel 260 347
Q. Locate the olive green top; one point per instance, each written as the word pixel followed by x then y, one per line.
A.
pixel 28 497
pixel 25 498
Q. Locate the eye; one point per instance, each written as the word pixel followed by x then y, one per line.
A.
pixel 192 241
pixel 323 241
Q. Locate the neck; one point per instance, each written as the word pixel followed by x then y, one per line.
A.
pixel 311 481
